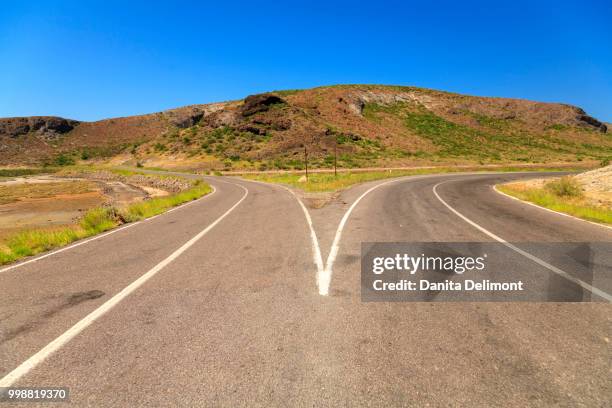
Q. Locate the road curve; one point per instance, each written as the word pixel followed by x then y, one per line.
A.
pixel 237 318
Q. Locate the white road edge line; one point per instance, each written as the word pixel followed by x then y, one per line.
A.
pixel 527 255
pixel 316 249
pixel 324 280
pixel 324 273
pixel 548 209
pixel 325 276
pixel 82 324
pixel 96 237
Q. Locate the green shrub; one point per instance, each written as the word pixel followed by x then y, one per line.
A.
pixel 564 187
pixel 64 160
pixel 99 220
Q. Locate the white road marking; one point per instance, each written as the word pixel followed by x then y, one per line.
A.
pixel 81 325
pixel 548 209
pixel 316 249
pixel 324 276
pixel 96 237
pixel 324 273
pixel 527 255
pixel 324 280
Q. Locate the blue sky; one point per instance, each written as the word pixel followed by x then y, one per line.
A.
pixel 93 60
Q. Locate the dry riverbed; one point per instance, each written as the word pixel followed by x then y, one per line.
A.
pixel 49 201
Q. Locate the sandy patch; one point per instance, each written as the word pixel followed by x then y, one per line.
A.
pixel 155 192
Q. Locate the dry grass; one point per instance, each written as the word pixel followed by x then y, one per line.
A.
pixel 327 182
pixel 563 195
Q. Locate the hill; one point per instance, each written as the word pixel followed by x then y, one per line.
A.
pixel 368 125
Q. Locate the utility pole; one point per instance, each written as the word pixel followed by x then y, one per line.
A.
pixel 335 156
pixel 306 161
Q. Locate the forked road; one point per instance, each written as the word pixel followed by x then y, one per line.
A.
pixel 216 303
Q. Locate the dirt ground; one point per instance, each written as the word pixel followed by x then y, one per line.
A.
pixel 48 202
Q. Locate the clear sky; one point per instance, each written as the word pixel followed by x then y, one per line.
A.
pixel 90 60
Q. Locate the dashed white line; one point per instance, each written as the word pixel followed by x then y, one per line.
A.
pixel 527 255
pixel 82 324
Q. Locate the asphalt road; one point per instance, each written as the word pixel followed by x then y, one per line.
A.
pixel 218 303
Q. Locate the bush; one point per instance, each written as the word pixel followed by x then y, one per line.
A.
pixel 99 220
pixel 605 162
pixel 64 160
pixel 565 187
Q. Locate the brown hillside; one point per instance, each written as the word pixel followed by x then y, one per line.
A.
pixel 368 125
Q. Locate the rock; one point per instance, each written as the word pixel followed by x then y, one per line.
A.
pixel 222 118
pixel 302 179
pixel 281 124
pixel 252 129
pixel 259 103
pixel 591 121
pixel 45 127
pixel 356 106
pixel 184 117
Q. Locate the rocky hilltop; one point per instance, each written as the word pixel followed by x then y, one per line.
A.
pixel 45 127
pixel 366 125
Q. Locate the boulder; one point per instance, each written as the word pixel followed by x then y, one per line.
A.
pixel 585 119
pixel 184 117
pixel 259 103
pixel 46 127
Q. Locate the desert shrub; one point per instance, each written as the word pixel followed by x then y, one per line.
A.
pixel 564 187
pixel 98 220
pixel 64 160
